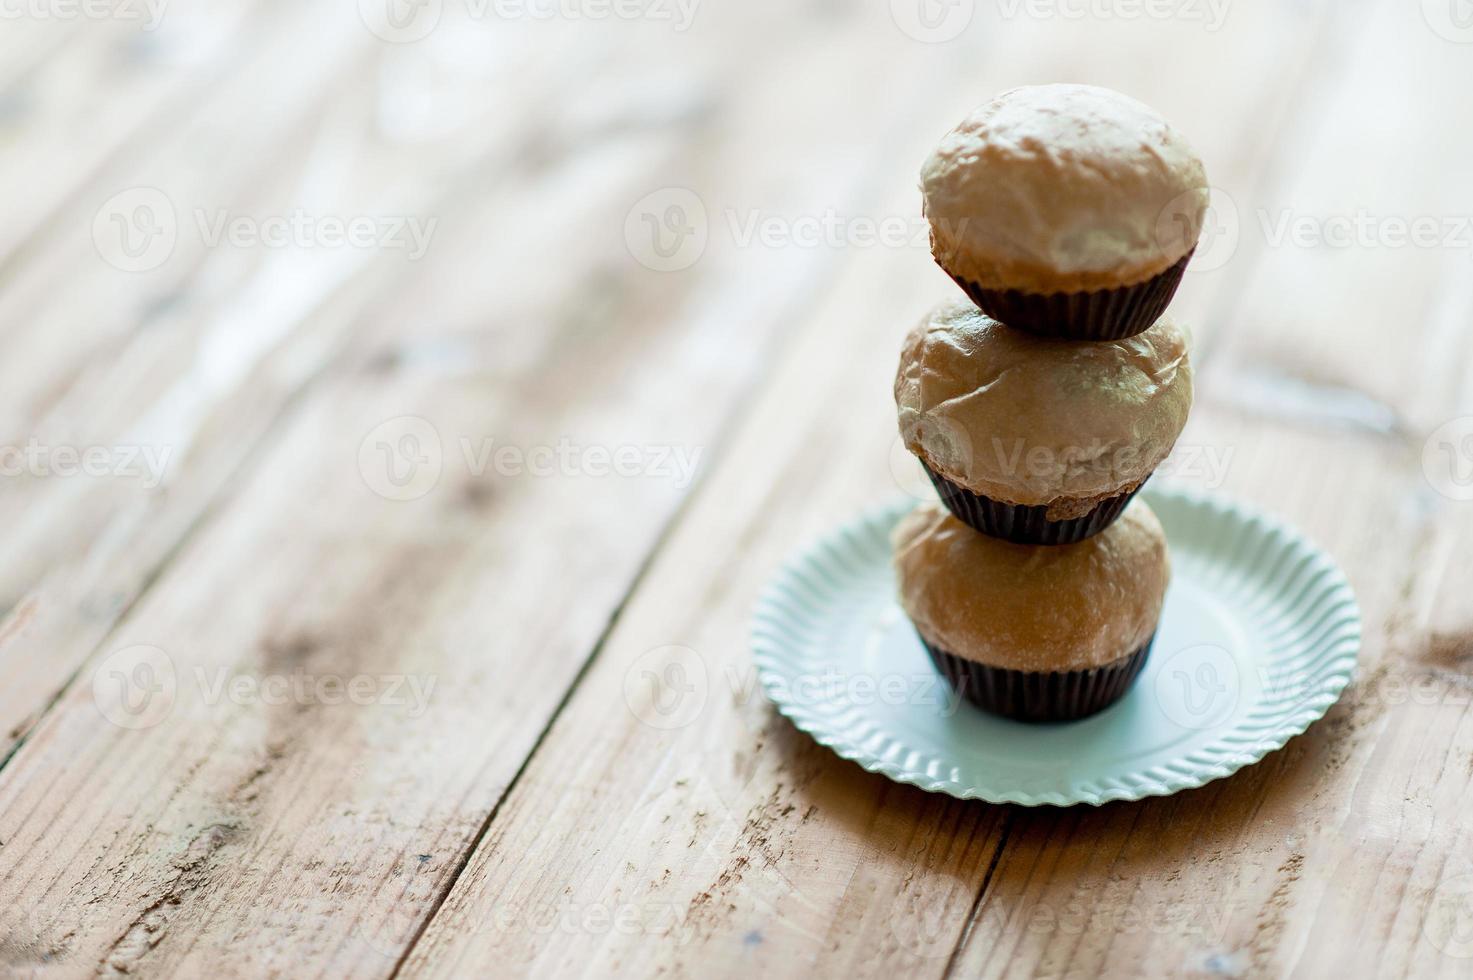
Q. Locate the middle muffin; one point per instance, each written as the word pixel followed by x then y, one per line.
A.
pixel 1037 440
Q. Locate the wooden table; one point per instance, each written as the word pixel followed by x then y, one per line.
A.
pixel 345 577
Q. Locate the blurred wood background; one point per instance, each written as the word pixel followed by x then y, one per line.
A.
pixel 660 232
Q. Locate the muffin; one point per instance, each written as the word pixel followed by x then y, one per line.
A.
pixel 1038 440
pixel 1066 210
pixel 1028 632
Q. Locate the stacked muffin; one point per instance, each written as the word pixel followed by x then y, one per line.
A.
pixel 1067 213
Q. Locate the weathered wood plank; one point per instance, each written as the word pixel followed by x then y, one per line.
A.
pixel 190 363
pixel 242 836
pixel 772 870
pixel 115 361
pixel 255 837
pixel 76 89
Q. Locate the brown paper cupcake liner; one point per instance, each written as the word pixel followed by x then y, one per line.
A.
pixel 1039 696
pixel 1021 523
pixel 1104 314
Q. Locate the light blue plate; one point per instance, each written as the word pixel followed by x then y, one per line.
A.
pixel 1258 638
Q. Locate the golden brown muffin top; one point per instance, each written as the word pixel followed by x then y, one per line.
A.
pixel 1063 188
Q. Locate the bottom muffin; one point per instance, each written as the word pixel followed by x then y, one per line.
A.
pixel 1026 695
pixel 1034 632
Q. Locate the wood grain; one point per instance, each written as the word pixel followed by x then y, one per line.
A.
pixel 521 802
pixel 327 835
pixel 806 878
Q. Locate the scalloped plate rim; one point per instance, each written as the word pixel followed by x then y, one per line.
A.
pixel 1339 660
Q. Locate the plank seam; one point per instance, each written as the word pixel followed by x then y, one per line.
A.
pixel 1002 842
pixel 134 142
pixel 772 354
pixel 473 845
pixel 226 493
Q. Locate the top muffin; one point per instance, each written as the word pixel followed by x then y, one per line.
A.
pixel 1063 188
